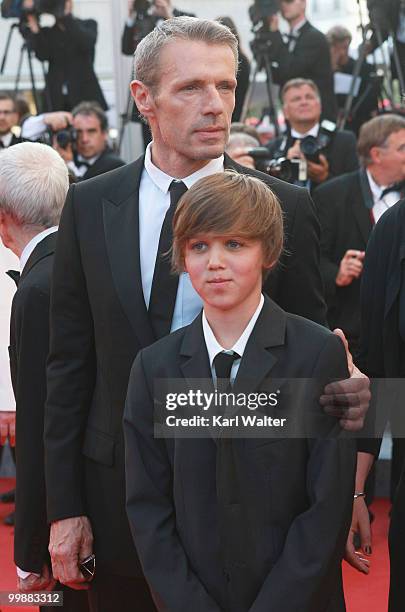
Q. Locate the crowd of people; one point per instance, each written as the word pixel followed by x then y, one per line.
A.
pixel 219 263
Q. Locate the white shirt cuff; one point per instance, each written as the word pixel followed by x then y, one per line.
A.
pixel 33 127
pixel 23 574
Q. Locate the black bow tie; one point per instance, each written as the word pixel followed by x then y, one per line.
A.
pixel 15 275
pixel 400 187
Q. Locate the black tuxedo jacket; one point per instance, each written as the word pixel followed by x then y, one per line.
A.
pixel 310 59
pixel 346 223
pixel 107 161
pixel 277 541
pixel 341 152
pixel 99 322
pixel 29 346
pixel 15 140
pixel 70 53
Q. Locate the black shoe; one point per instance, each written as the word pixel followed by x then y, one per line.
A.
pixel 8 497
pixel 9 520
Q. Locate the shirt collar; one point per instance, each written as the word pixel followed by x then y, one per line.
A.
pixel 297 28
pixel 29 248
pixel 213 346
pixel 376 189
pixel 88 160
pixel 163 180
pixel 6 139
pixel 312 132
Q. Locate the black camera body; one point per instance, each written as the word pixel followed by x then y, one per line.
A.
pixel 14 9
pixel 261 9
pixel 66 137
pixel 283 168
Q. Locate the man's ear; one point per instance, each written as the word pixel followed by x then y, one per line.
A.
pixel 4 235
pixel 143 98
pixel 374 155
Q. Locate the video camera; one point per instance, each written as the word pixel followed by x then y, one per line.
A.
pixel 14 9
pixel 261 9
pixel 144 22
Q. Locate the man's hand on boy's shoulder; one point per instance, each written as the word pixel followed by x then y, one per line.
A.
pixel 348 399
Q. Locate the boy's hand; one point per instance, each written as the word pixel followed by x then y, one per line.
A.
pixel 348 399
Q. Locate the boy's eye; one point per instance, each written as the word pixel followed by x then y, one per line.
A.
pixel 233 244
pixel 198 246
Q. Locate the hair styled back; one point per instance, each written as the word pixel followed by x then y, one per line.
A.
pixel 224 204
pixel 149 50
pixel 375 133
pixel 299 82
pixel 33 184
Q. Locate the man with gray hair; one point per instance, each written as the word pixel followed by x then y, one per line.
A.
pixel 33 186
pixel 113 294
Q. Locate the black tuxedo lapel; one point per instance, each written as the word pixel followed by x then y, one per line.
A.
pixel 45 248
pixel 258 359
pixel 193 348
pixel 361 212
pixel 121 226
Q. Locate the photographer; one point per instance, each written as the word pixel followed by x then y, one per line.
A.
pixel 388 17
pixel 80 137
pixel 304 53
pixel 69 47
pixel 142 18
pixel 365 104
pixel 332 153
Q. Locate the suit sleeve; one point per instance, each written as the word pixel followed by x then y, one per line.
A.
pixel 174 585
pixel 70 374
pixel 82 31
pixel 305 574
pixel 301 288
pixel 29 353
pixel 344 156
pixel 328 221
pixel 40 43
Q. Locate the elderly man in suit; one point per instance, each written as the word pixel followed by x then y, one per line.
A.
pixel 113 294
pixel 33 186
pixel 348 208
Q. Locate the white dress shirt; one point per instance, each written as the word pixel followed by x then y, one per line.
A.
pixel 312 132
pixel 154 201
pixel 6 139
pixel 381 204
pixel 214 348
pixel 28 249
pixel 292 36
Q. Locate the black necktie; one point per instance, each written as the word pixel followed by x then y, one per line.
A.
pixel 223 363
pixel 15 275
pixel 164 285
pixel 2 144
pixel 400 187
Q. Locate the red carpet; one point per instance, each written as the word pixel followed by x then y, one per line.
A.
pixel 363 593
pixel 370 593
pixel 7 568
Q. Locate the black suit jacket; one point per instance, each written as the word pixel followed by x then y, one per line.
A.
pixel 341 152
pixel 277 541
pixel 107 161
pixel 70 53
pixel 346 223
pixel 310 59
pixel 29 346
pixel 99 322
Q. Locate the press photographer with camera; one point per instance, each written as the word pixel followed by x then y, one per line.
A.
pixel 323 151
pixel 69 47
pixel 80 138
pixel 303 52
pixel 143 15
